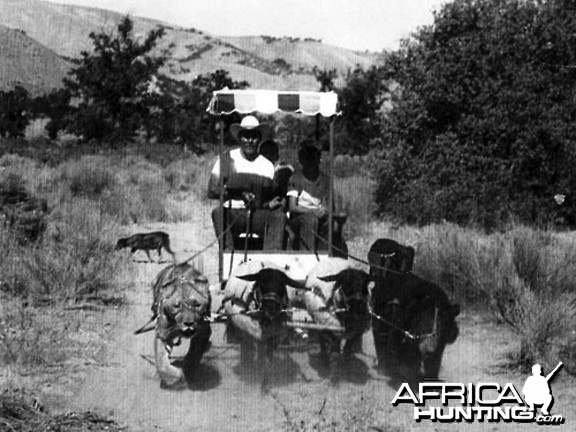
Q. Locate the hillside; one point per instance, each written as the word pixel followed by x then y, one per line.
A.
pixel 262 61
pixel 302 54
pixel 26 62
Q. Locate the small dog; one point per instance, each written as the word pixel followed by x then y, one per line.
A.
pixel 147 242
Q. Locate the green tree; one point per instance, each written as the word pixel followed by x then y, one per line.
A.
pixel 483 127
pixel 361 102
pixel 199 97
pixel 112 84
pixel 15 112
pixel 182 115
pixel 325 78
pixel 55 106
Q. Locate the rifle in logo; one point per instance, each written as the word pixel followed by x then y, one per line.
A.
pixel 537 390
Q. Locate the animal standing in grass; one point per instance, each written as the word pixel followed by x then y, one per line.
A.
pixel 413 320
pixel 147 242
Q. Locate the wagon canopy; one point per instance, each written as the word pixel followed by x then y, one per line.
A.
pixel 271 101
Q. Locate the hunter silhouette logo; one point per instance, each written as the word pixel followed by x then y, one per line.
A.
pixel 537 391
pixel 483 402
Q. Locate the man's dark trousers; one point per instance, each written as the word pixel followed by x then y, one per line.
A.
pixel 268 224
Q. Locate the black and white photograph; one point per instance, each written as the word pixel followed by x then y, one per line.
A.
pixel 297 215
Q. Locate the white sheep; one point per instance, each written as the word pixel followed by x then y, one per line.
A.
pixel 256 303
pixel 338 300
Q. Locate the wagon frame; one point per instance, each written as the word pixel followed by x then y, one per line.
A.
pixel 268 102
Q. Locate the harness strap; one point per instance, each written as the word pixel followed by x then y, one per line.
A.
pixel 406 332
pixel 145 328
pixel 209 245
pixel 356 258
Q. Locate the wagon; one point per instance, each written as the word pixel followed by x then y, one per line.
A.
pixel 296 264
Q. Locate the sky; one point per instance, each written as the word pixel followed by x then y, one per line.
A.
pixel 355 24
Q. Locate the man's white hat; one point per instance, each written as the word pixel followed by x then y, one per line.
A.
pixel 250 123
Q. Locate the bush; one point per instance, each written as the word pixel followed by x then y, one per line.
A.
pixel 352 196
pixel 189 174
pixel 23 213
pixel 15 106
pixel 76 261
pixel 525 277
pixel 21 411
pixel 79 261
pixel 90 177
pixel 12 278
pixel 130 190
pixel 152 191
pixel 463 261
pixel 544 262
pixel 488 140
pixel 31 337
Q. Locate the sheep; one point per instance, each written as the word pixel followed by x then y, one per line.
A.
pixel 256 301
pixel 338 299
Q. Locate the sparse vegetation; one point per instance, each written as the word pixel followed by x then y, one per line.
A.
pixel 282 64
pixel 21 411
pixel 196 52
pixel 524 278
pixel 422 154
pixel 270 39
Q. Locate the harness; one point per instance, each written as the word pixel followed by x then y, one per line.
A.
pixel 339 305
pixel 406 333
pixel 254 303
pixel 179 283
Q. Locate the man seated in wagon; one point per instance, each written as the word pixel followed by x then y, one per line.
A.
pixel 247 178
pixel 308 196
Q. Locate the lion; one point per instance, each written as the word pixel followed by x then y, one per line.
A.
pixel 181 307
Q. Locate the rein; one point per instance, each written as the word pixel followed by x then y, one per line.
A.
pixel 209 245
pixel 406 332
pixel 258 298
pixel 384 268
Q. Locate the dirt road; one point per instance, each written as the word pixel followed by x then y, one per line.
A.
pixel 300 398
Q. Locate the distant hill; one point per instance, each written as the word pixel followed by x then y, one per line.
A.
pixel 301 54
pixel 265 62
pixel 25 62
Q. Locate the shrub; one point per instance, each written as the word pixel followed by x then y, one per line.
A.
pixel 22 212
pixel 525 277
pixel 75 263
pixel 21 411
pixel 89 177
pixel 129 190
pixel 15 163
pixel 32 337
pixel 462 142
pixel 189 174
pixel 15 106
pixel 152 191
pixel 12 279
pixel 544 262
pixel 352 196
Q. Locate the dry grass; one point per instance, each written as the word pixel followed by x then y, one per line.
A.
pixel 353 195
pixel 20 410
pixel 524 278
pixel 33 337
